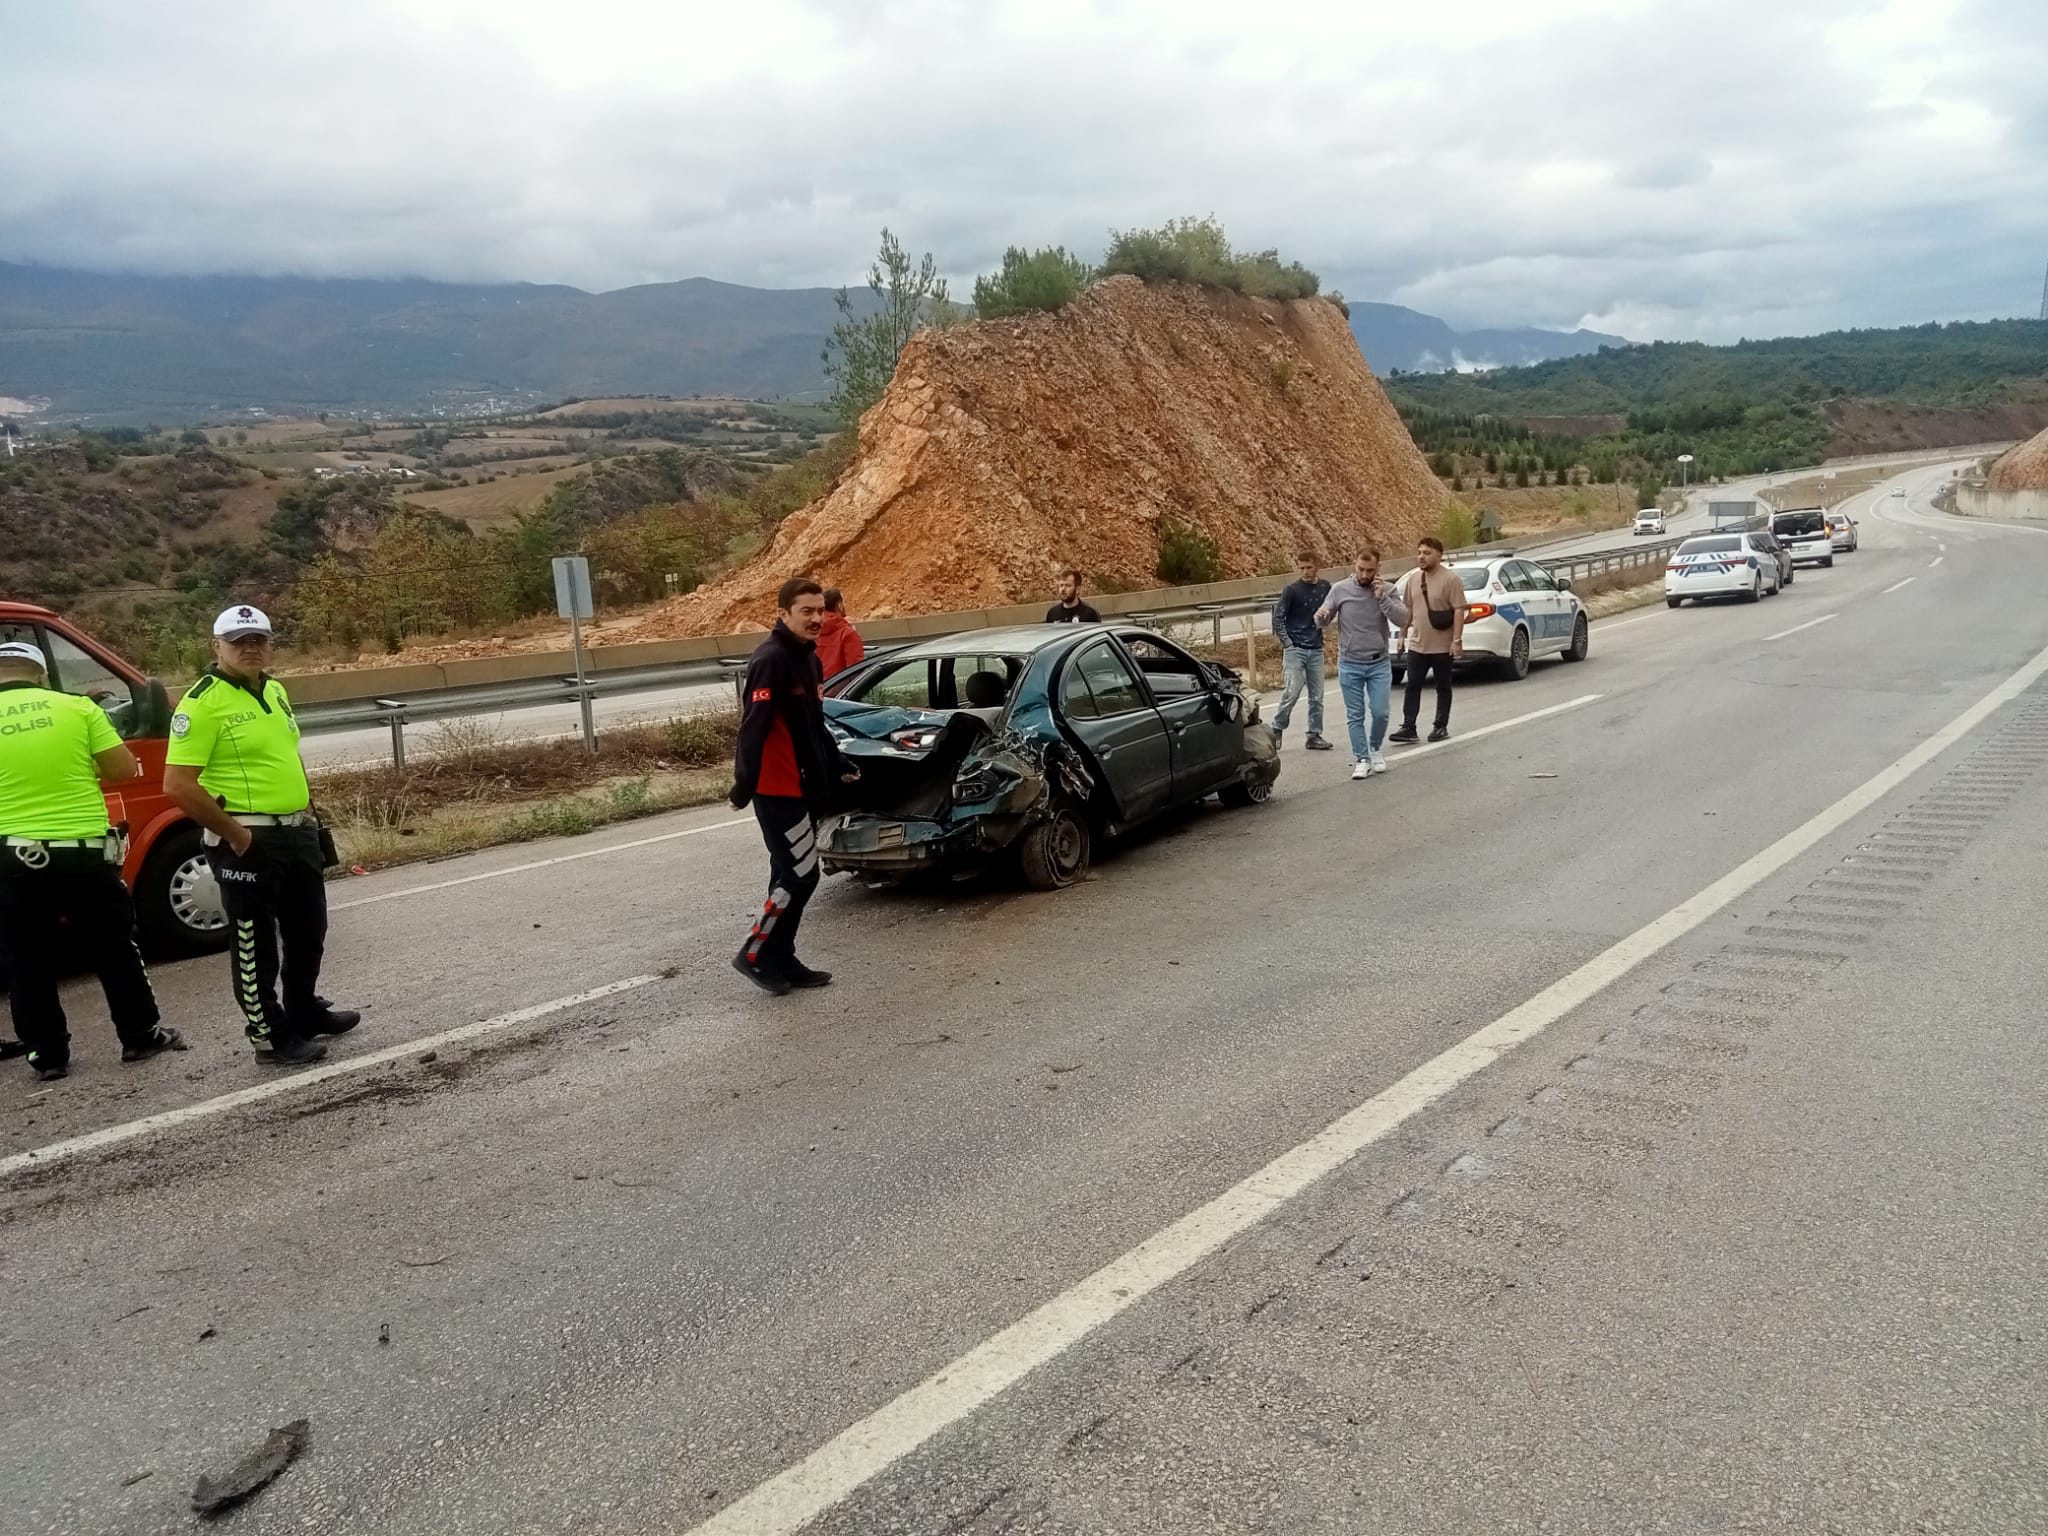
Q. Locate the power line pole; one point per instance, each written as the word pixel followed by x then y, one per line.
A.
pixel 2044 293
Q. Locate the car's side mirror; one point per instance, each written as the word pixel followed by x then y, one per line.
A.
pixel 1564 583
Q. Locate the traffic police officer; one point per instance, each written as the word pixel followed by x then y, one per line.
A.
pixel 61 864
pixel 233 767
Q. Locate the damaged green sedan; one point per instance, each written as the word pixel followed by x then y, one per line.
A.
pixel 1033 744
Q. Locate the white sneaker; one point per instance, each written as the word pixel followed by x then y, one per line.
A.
pixel 1360 769
pixel 1378 763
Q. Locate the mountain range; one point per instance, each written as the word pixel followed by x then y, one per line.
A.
pixel 87 345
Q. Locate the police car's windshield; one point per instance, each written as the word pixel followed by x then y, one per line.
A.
pixel 1710 546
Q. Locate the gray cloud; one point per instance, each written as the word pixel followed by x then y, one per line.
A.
pixel 1659 168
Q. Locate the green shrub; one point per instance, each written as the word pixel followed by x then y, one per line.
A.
pixel 1263 275
pixel 701 740
pixel 1283 373
pixel 1187 556
pixel 1043 279
pixel 1180 250
pixel 1456 527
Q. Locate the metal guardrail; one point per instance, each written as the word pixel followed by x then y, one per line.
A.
pixel 458 703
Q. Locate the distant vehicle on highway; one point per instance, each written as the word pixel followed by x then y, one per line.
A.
pixel 1033 745
pixel 1722 565
pixel 1650 520
pixel 1803 531
pixel 177 902
pixel 1842 533
pixel 1517 612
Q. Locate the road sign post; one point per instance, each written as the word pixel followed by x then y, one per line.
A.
pixel 573 602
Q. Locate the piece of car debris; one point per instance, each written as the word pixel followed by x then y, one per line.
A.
pixel 212 1496
pixel 1542 775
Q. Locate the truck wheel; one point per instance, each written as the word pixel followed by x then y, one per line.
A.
pixel 177 901
pixel 1054 854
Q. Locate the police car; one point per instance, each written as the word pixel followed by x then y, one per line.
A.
pixel 1515 611
pixel 1721 565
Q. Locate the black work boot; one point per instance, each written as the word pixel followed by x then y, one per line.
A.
pixel 766 977
pixel 47 1067
pixel 333 1021
pixel 1404 735
pixel 801 975
pixel 292 1052
pixel 162 1038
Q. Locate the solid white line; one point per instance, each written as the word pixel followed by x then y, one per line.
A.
pixel 149 1125
pixel 520 869
pixel 1781 634
pixel 799 1494
pixel 1936 561
pixel 1409 754
pixel 1603 626
pixel 1898 584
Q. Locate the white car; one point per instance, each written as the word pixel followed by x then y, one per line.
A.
pixel 1650 520
pixel 1842 533
pixel 1721 565
pixel 1515 611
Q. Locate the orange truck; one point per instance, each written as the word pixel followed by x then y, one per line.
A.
pixel 177 903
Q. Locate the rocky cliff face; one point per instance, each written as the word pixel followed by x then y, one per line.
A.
pixel 1008 449
pixel 2024 468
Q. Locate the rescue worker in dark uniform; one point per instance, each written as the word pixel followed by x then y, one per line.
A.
pixel 60 864
pixel 787 763
pixel 233 766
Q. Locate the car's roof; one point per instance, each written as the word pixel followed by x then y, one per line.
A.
pixel 1016 640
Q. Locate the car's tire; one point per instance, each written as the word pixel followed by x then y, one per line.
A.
pixel 1241 795
pixel 177 902
pixel 1828 564
pixel 1054 853
pixel 1582 640
pixel 1516 666
pixel 1673 602
pixel 1756 589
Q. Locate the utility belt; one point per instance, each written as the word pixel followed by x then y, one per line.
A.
pixel 329 854
pixel 34 852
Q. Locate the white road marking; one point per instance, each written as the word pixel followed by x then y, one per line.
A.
pixel 1604 626
pixel 1781 634
pixel 520 869
pixel 1409 754
pixel 797 1495
pixel 1898 584
pixel 149 1125
pixel 1936 561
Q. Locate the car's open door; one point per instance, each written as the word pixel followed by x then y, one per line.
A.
pixel 1104 706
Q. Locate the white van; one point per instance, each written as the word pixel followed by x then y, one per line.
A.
pixel 1650 520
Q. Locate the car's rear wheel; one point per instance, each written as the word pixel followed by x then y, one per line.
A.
pixel 1828 564
pixel 177 901
pixel 1582 640
pixel 1054 854
pixel 1516 666
pixel 1756 588
pixel 1239 795
pixel 1673 602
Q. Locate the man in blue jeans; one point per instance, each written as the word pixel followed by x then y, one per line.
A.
pixel 1366 611
pixel 1301 649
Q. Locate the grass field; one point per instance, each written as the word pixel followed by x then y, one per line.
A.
pixel 495 503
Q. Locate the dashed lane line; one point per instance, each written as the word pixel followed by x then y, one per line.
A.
pixel 1888 591
pixel 799 1494
pixel 1781 634
pixel 150 1125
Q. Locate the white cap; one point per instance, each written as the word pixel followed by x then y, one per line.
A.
pixel 241 621
pixel 23 650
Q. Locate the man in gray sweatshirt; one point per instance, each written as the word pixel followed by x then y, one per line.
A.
pixel 1366 610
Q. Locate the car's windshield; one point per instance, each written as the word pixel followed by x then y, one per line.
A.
pixel 1797 524
pixel 967 681
pixel 1648 517
pixel 1710 546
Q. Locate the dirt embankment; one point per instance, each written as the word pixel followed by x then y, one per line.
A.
pixel 2024 468
pixel 1007 449
pixel 1877 426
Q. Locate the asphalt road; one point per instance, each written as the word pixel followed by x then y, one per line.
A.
pixel 1615 1120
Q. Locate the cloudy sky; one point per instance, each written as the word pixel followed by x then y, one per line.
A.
pixel 1658 168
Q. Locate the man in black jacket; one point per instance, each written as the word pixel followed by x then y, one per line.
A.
pixel 1301 648
pixel 786 762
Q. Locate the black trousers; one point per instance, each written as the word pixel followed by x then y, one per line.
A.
pixel 76 903
pixel 1420 664
pixel 792 839
pixel 276 902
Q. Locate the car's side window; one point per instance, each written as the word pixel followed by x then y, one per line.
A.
pixel 1075 699
pixel 1172 672
pixel 1525 577
pixel 1112 683
pixel 77 671
pixel 907 686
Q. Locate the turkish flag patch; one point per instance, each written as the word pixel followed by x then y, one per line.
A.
pixel 759 696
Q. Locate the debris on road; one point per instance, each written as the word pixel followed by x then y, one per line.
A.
pixel 427 1058
pixel 213 1496
pixel 135 1477
pixel 383 1333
